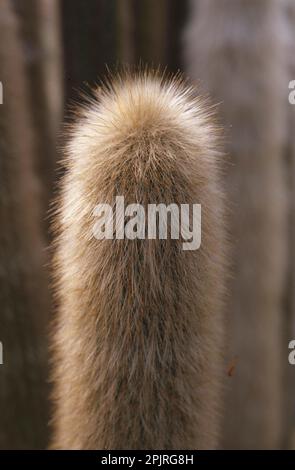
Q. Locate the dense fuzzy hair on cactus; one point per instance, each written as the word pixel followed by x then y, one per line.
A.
pixel 236 48
pixel 138 334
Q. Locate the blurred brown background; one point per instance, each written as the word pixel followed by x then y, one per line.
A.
pixel 241 52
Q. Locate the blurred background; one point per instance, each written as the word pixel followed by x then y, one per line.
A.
pixel 241 52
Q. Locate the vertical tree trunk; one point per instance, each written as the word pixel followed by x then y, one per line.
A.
pixel 289 320
pixel 178 13
pixel 151 33
pixel 40 27
pixel 235 48
pixel 23 289
pixel 89 42
pixel 126 25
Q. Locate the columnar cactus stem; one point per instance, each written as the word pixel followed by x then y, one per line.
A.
pixel 138 336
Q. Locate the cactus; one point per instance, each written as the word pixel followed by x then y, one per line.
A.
pixel 235 47
pixel 138 333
